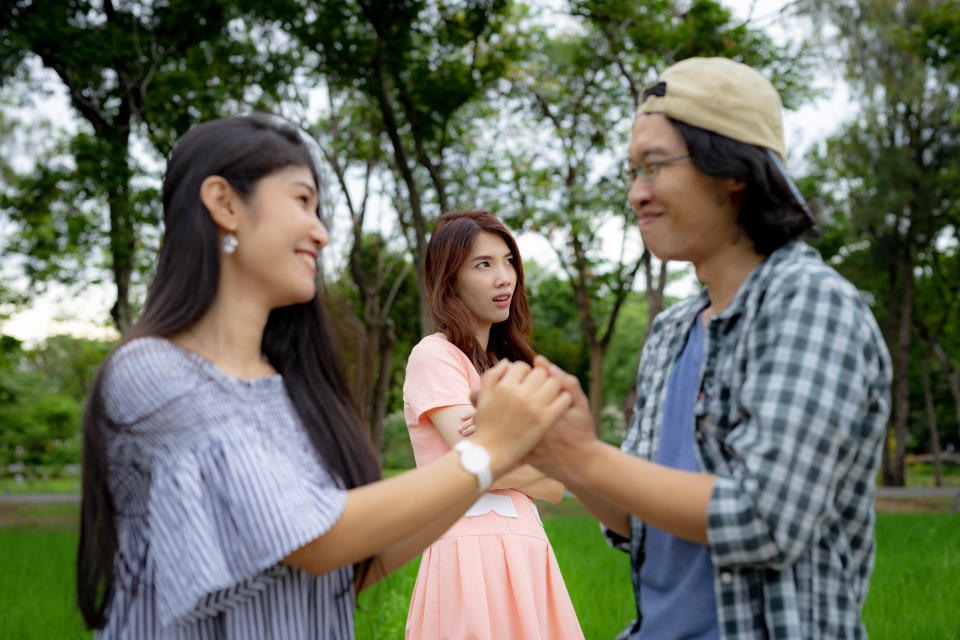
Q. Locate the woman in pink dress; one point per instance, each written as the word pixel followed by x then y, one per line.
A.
pixel 493 574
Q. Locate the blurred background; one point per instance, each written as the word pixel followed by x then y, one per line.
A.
pixel 417 108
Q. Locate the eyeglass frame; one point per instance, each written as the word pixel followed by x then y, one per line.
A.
pixel 640 171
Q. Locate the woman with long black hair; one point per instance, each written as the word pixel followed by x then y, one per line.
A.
pixel 228 488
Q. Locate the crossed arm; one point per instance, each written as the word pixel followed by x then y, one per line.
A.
pixel 450 422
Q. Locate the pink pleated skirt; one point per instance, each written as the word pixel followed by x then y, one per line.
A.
pixel 492 577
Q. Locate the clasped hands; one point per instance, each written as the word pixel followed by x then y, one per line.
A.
pixel 546 414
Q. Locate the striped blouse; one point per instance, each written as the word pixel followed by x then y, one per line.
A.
pixel 214 482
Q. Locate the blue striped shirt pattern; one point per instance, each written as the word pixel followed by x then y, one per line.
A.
pixel 214 481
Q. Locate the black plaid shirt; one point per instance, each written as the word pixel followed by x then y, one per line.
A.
pixel 792 411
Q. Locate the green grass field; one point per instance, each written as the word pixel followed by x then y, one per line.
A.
pixel 914 592
pixel 32 484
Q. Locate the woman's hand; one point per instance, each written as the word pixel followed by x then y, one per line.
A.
pixel 467 425
pixel 516 404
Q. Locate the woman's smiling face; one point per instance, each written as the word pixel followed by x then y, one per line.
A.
pixel 280 237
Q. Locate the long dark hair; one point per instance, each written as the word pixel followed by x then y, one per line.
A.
pixel 296 341
pixel 451 241
pixel 770 214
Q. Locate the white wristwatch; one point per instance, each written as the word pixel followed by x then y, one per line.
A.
pixel 476 460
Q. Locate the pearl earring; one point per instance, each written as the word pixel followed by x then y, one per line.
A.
pixel 230 243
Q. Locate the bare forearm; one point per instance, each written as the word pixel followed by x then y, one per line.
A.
pixel 519 477
pixel 670 499
pixel 532 482
pixel 382 514
pixel 405 550
pixel 609 514
pixel 400 553
pixel 544 489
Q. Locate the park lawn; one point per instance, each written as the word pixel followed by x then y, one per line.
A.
pixel 915 590
pixel 913 594
pixel 37 583
pixel 66 483
pixel 921 475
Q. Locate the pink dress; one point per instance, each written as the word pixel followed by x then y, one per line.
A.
pixel 493 574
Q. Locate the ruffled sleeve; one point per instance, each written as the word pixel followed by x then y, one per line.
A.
pixel 222 516
pixel 438 375
pixel 142 377
pixel 216 473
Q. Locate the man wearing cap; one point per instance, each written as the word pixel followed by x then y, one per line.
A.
pixel 744 489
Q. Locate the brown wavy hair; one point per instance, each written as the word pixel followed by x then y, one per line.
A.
pixel 451 241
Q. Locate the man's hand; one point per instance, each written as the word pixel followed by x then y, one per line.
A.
pixel 562 449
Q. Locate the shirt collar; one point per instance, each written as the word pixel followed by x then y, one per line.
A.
pixel 758 278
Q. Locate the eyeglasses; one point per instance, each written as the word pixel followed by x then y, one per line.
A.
pixel 648 170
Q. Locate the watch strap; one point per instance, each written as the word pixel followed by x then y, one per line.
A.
pixel 470 454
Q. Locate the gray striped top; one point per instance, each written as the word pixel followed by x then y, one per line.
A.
pixel 214 482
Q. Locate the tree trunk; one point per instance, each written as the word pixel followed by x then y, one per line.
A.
pixel 381 386
pixel 426 318
pixel 654 294
pixel 953 379
pixel 409 180
pixel 597 353
pixel 932 424
pixel 364 378
pixel 889 331
pixel 901 395
pixel 122 236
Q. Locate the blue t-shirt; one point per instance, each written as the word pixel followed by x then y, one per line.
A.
pixel 676 577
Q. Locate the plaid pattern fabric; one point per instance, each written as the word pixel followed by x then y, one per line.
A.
pixel 792 411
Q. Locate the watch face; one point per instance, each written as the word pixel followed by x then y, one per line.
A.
pixel 474 458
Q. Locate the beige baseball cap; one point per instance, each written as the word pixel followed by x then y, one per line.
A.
pixel 722 96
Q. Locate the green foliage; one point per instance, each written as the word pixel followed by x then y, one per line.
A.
pixel 397 450
pixel 68 363
pixel 437 58
pixel 42 393
pixel 613 425
pixel 380 275
pixel 417 67
pixel 938 38
pixel 886 187
pixel 378 258
pixel 556 330
pixel 620 365
pixel 61 224
pixel 654 34
pixel 144 68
